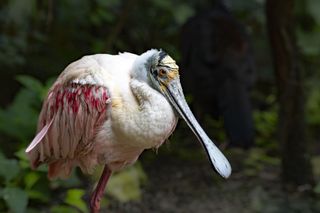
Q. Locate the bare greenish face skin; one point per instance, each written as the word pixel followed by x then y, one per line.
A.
pixel 166 79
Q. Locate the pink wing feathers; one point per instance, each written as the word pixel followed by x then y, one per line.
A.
pixel 71 116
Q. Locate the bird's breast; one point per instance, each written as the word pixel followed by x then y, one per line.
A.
pixel 156 125
pixel 145 123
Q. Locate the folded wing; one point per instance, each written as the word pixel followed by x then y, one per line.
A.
pixel 71 116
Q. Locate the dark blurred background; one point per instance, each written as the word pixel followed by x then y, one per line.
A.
pixel 250 71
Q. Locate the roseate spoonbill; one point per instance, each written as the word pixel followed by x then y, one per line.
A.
pixel 106 109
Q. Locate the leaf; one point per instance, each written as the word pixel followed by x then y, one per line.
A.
pixel 38 195
pixel 63 209
pixel 24 162
pixel 163 4
pixel 20 11
pixel 316 166
pixel 32 210
pixel 1 156
pixel 125 185
pixel 16 199
pixel 313 9
pixel 30 83
pixel 9 169
pixel 317 188
pixel 30 179
pixel 74 198
pixel 182 13
pixel 109 3
pixel 14 118
pixel 309 42
pixel 313 105
pixel 72 181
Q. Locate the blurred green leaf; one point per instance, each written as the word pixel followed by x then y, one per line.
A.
pixel 32 210
pixel 316 165
pixel 19 11
pixel 13 118
pixel 266 122
pixel 317 188
pixel 29 99
pixel 182 13
pixel 16 199
pixel 74 198
pixel 9 169
pixel 38 195
pixel 63 209
pixel 308 42
pixel 30 179
pixel 257 159
pixel 71 182
pixel 163 4
pixel 126 185
pixel 2 155
pixel 313 105
pixel 313 9
pixel 23 159
pixel 30 83
pixel 109 3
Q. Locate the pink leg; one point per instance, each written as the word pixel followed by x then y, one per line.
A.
pixel 98 192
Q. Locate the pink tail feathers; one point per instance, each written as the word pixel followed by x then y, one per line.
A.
pixel 39 136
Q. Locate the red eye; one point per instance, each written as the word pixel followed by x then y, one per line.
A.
pixel 162 72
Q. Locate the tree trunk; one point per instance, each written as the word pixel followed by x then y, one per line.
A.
pixel 296 165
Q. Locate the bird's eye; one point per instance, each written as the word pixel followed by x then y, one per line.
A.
pixel 162 72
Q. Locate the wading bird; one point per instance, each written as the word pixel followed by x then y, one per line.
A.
pixel 106 109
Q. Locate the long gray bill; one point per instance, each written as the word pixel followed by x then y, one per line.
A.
pixel 218 160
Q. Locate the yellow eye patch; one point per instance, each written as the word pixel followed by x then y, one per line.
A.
pixel 169 73
pixel 173 74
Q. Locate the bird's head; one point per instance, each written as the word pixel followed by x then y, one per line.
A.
pixel 162 73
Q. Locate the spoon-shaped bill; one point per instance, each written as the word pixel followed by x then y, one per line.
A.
pixel 173 92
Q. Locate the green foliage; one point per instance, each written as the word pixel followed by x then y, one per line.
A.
pixel 19 125
pixel 15 198
pixel 74 198
pixel 15 24
pixel 29 99
pixel 13 193
pixel 309 31
pixel 266 123
pixel 256 161
pixel 316 165
pixel 126 185
pixel 313 104
pixel 217 128
pixel 9 169
pixel 317 189
pixel 63 209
